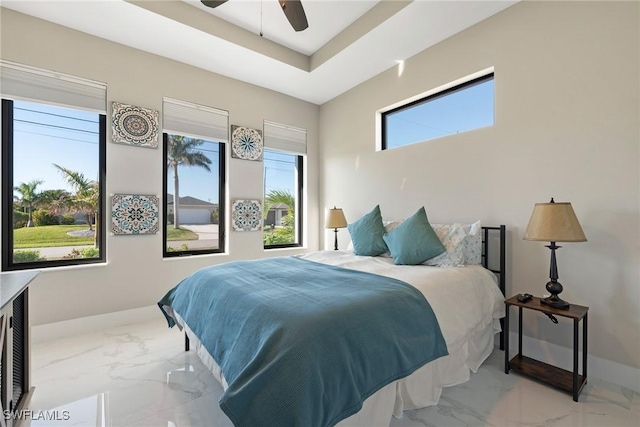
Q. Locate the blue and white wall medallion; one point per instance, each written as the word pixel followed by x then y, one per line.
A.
pixel 134 214
pixel 134 125
pixel 246 143
pixel 246 215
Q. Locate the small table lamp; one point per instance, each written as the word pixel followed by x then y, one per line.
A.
pixel 554 222
pixel 335 219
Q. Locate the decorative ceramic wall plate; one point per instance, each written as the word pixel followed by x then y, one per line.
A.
pixel 134 214
pixel 246 143
pixel 246 215
pixel 134 125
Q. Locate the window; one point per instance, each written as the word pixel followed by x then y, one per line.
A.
pixel 194 178
pixel 53 169
pixel 464 107
pixel 283 185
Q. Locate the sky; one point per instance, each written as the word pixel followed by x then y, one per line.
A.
pixel 45 134
pixel 467 109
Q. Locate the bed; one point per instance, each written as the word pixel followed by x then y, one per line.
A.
pixel 357 370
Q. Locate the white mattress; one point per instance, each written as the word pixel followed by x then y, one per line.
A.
pixel 467 303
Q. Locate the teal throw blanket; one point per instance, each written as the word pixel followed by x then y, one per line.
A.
pixel 302 343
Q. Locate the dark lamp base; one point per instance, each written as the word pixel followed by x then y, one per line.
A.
pixel 555 302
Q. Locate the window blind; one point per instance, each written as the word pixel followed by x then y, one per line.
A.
pixel 285 138
pixel 185 118
pixel 18 81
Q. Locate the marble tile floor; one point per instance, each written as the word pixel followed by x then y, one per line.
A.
pixel 140 375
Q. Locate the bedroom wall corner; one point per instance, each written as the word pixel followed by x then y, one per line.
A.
pixel 567 125
pixel 135 274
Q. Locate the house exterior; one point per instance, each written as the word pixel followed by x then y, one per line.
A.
pixel 192 210
pixel 275 214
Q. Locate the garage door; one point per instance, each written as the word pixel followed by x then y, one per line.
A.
pixel 195 216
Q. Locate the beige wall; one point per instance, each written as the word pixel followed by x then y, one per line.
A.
pixel 567 125
pixel 136 275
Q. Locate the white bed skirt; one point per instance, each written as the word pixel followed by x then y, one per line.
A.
pixel 418 390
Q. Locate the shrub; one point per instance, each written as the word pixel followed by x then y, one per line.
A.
pixel 44 217
pixel 91 252
pixel 169 218
pixel 279 236
pixel 67 220
pixel 27 256
pixel 20 219
pixel 183 247
pixel 214 216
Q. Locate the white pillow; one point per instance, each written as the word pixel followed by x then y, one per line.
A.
pixel 452 237
pixel 473 245
pixel 463 243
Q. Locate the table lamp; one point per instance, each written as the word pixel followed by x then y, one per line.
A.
pixel 335 219
pixel 554 222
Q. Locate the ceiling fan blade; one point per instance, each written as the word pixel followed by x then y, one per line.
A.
pixel 294 12
pixel 213 3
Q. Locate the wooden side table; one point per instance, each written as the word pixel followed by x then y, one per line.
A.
pixel 552 375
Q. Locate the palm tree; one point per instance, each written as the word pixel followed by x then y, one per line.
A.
pixel 276 197
pixel 52 197
pixel 28 196
pixel 286 234
pixel 182 150
pixel 85 200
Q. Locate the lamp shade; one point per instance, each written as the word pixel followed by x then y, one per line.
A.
pixel 335 218
pixel 554 222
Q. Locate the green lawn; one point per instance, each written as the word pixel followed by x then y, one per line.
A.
pixel 56 235
pixel 47 236
pixel 180 234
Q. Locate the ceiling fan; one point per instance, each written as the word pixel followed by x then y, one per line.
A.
pixel 292 9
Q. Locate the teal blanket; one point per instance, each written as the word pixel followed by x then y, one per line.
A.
pixel 302 343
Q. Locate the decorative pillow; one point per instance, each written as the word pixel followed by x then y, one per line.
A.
pixel 463 243
pixel 472 246
pixel 366 234
pixel 413 241
pixel 388 226
pixel 453 238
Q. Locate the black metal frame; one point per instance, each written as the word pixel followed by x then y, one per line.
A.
pixel 501 271
pixel 299 207
pixel 7 201
pixel 502 268
pixel 221 204
pixel 429 98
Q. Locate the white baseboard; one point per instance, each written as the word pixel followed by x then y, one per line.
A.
pixel 84 325
pixel 562 357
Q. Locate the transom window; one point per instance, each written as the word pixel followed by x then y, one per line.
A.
pixel 461 108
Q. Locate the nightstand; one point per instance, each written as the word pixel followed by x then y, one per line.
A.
pixel 552 375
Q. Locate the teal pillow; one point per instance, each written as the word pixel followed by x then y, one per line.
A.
pixel 414 241
pixel 366 234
